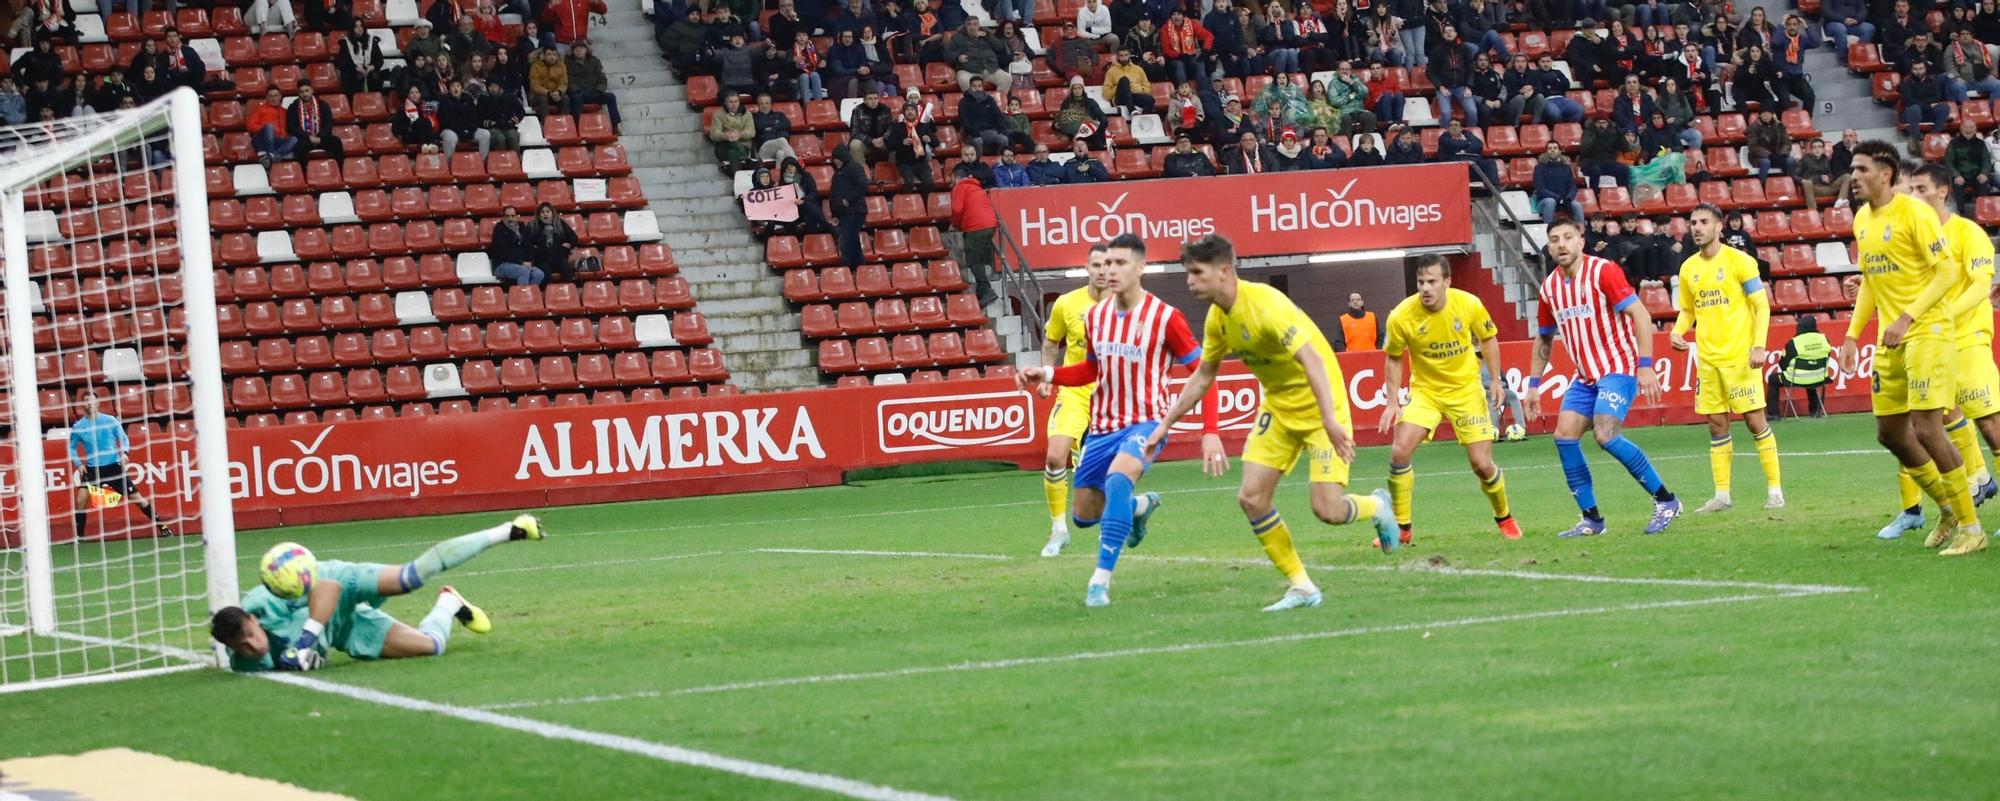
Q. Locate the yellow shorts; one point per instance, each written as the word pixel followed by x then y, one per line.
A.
pixel 1915 377
pixel 1728 389
pixel 1277 441
pixel 1071 415
pixel 1977 381
pixel 1470 418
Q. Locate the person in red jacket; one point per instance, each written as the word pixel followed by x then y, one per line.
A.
pixel 972 214
pixel 569 21
pixel 1385 95
pixel 268 133
pixel 1186 44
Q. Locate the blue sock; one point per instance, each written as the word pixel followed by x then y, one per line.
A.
pixel 1577 470
pixel 1117 523
pixel 1627 453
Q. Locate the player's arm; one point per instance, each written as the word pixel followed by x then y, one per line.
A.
pixel 1979 275
pixel 1489 352
pixel 1683 322
pixel 1848 355
pixel 321 602
pixel 1322 387
pixel 1392 376
pixel 1545 344
pixel 1069 375
pixel 1760 318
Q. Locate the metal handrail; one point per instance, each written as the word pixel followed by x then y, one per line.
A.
pixel 1018 279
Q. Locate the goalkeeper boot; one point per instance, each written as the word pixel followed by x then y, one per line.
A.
pixel 473 617
pixel 1387 534
pixel 1970 539
pixel 1139 521
pixel 1096 595
pixel 1296 598
pixel 527 527
pixel 1906 520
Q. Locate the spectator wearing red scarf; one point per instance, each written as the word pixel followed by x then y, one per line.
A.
pixel 806 58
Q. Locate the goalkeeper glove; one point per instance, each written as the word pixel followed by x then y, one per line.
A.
pixel 310 637
pixel 301 659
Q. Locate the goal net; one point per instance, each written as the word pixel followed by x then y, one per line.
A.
pixel 113 546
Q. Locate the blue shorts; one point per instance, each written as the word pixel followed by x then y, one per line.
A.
pixel 1099 450
pixel 1611 396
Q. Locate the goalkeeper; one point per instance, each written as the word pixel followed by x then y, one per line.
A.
pixel 342 611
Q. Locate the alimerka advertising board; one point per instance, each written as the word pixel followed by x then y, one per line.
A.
pixel 1273 214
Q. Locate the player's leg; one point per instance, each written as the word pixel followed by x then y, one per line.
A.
pixel 122 484
pixel 1055 491
pixel 1965 440
pixel 453 552
pixel 1260 484
pixel 1721 449
pixel 1614 400
pixel 1976 385
pixel 1123 513
pixel 431 635
pixel 1402 475
pixel 1766 439
pixel 1087 484
pixel 81 513
pixel 1929 392
pixel 1578 402
pixel 1331 502
pixel 1472 422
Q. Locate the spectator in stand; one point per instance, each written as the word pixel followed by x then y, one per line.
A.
pixel 1126 86
pixel 458 120
pixel 1791 46
pixel 1233 123
pixel 1250 58
pixel 849 202
pixel 1769 143
pixel 968 155
pixel 1079 117
pixel 1633 107
pixel 1757 30
pixel 1042 170
pixel 465 41
pixel 14 107
pixel 1282 105
pixel 1555 185
pixel 1816 177
pixel 1489 92
pixel 1084 168
pixel 43 20
pixel 1622 49
pixel 853 16
pixel 972 215
pixel 1603 144
pixel 980 122
pixel 812 220
pixel 508 73
pixel 1894 32
pixel 1017 126
pixel 772 63
pixel 1737 235
pixel 1589 59
pixel 1385 95
pixel 1922 49
pixel 1986 23
pixel 1008 173
pixel 1225 37
pixel 1969 67
pixel 1093 22
pixel 1460 144
pixel 424 44
pixel 359 59
pixel 1320 112
pixel 1971 165
pixel 266 16
pixel 1756 82
pixel 1367 151
pixel 1280 40
pixel 912 142
pixel 1385 37
pixel 723 23
pixel 1349 95
pixel 850 68
pixel 868 128
pixel 924 33
pixel 1479 23
pixel 1018 49
pixel 1185 112
pixel 1406 148
pixel 500 116
pixel 266 124
pixel 184 65
pixel 588 84
pixel 1923 104
pixel 417 125
pixel 569 21
pixel 735 69
pixel 1144 42
pixel 1290 152
pixel 773 129
pixel 684 45
pixel 310 121
pixel 513 261
pixel 1662 136
pixel 1842 156
pixel 550 240
pixel 733 130
pixel 1186 162
pixel 1346 32
pixel 806 61
pixel 1679 110
pixel 1322 153
pixel 974 54
pixel 1073 55
pixel 548 81
pixel 1841 19
pixel 1551 85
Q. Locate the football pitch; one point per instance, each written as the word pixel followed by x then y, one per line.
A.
pixel 901 639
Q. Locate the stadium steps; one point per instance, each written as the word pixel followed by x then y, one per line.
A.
pixel 675 164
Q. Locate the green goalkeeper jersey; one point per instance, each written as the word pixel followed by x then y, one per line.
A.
pixel 284 620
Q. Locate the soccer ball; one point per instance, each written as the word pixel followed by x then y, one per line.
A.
pixel 288 570
pixel 1515 433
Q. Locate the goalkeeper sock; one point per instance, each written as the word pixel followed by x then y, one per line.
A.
pixel 1767 457
pixel 1720 450
pixel 1966 441
pixel 437 624
pixel 1276 537
pixel 1402 482
pixel 1495 490
pixel 452 553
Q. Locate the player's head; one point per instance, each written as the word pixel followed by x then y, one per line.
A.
pixel 1566 243
pixel 1705 224
pixel 1930 182
pixel 1877 165
pixel 1433 278
pixel 1124 260
pixel 1211 266
pixel 1094 269
pixel 240 632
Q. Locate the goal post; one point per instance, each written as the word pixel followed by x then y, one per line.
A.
pixel 116 533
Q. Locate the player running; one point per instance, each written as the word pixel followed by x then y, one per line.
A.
pixel 1441 336
pixel 1721 294
pixel 1906 274
pixel 1609 337
pixel 342 609
pixel 1975 379
pixel 1131 340
pixel 1305 409
pixel 97 448
pixel 1071 415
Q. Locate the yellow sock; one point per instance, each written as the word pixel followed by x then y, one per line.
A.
pixel 1362 507
pixel 1495 489
pixel 1767 457
pixel 1960 495
pixel 1055 489
pixel 1402 481
pixel 1927 478
pixel 1720 451
pixel 1966 440
pixel 1276 538
pixel 1906 487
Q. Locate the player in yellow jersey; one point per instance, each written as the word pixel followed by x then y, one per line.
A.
pixel 1905 276
pixel 1305 409
pixel 1442 335
pixel 1071 416
pixel 1722 296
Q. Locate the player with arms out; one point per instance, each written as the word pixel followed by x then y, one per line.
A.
pixel 97 447
pixel 1723 300
pixel 1609 337
pixel 1975 380
pixel 1070 417
pixel 306 606
pixel 1906 274
pixel 1305 409
pixel 1441 336
pixel 1131 340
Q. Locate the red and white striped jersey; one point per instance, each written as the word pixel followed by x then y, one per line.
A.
pixel 1132 352
pixel 1587 312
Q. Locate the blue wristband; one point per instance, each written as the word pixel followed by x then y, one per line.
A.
pixel 1645 361
pixel 1534 381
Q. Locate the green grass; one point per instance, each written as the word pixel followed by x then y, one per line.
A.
pixel 1385 692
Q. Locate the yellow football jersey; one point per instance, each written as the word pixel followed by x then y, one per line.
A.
pixel 1902 246
pixel 1443 345
pixel 1265 329
pixel 1972 250
pixel 1066 323
pixel 1713 292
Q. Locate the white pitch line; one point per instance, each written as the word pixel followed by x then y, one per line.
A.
pixel 631 745
pixel 998 557
pixel 1032 661
pixel 601 563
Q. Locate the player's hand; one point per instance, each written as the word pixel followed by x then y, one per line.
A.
pixel 1678 340
pixel 1045 390
pixel 1758 357
pixel 1649 385
pixel 1028 377
pixel 1848 356
pixel 1534 403
pixel 1343 443
pixel 1496 395
pixel 1391 414
pixel 1158 436
pixel 1214 460
pixel 1892 336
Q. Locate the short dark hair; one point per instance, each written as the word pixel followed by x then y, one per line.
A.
pixel 1211 249
pixel 1099 247
pixel 1882 153
pixel 1712 209
pixel 1433 261
pixel 1566 223
pixel 227 625
pixel 1131 242
pixel 1938 174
